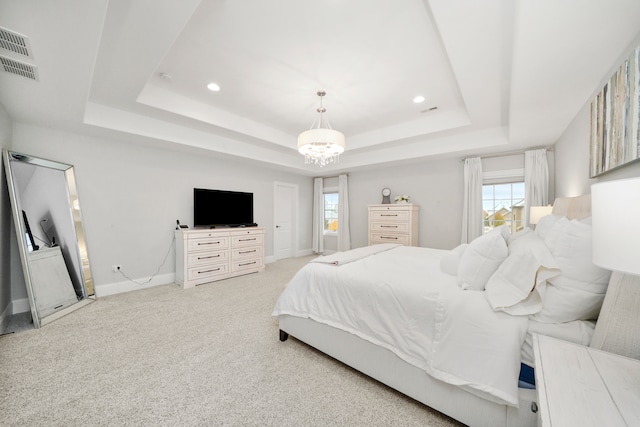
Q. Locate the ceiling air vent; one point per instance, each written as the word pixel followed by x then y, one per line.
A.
pixel 20 68
pixel 14 42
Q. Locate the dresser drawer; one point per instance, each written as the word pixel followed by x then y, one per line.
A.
pixel 246 252
pixel 249 239
pixel 389 227
pixel 247 264
pixel 212 257
pixel 388 215
pixel 202 273
pixel 401 239
pixel 208 244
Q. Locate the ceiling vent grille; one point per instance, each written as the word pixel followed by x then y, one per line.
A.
pixel 15 42
pixel 20 68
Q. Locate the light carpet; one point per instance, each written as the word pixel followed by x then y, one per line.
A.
pixel 208 356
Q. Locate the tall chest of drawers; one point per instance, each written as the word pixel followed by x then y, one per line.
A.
pixel 204 256
pixel 394 224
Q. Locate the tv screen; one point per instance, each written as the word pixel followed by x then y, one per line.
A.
pixel 217 207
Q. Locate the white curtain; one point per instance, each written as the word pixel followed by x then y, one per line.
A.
pixel 344 236
pixel 318 216
pixel 536 180
pixel 472 219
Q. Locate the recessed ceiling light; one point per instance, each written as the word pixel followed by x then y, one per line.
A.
pixel 213 86
pixel 418 99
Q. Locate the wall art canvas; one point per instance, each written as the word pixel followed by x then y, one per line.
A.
pixel 615 119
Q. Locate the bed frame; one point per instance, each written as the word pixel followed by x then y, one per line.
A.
pixel 384 366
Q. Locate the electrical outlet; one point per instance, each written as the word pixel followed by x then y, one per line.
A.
pixel 116 268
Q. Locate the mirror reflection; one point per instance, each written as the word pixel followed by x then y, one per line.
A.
pixel 48 221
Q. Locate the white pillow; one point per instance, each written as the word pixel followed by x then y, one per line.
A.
pixel 546 223
pixel 481 259
pixel 515 236
pixel 577 293
pixel 449 262
pixel 502 230
pixel 515 287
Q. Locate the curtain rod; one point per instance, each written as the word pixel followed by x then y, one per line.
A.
pixel 507 153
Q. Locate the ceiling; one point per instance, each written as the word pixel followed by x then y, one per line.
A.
pixel 503 75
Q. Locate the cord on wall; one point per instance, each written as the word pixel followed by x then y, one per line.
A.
pixel 173 242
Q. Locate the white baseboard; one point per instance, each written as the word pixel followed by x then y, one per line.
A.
pixel 128 286
pixel 269 259
pixel 20 306
pixel 14 307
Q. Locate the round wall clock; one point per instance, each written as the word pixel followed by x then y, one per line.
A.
pixel 386 193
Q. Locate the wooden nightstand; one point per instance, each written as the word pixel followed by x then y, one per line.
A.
pixel 583 386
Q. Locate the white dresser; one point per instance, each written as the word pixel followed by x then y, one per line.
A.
pixel 204 256
pixel 396 223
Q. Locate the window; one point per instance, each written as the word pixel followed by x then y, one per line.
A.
pixel 503 204
pixel 331 212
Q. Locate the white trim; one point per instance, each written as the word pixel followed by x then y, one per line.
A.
pixel 128 286
pixel 20 306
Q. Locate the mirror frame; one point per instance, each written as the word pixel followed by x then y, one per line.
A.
pixel 84 270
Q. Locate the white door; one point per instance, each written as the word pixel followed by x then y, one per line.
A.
pixel 285 205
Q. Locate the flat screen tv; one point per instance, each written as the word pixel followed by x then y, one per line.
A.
pixel 222 208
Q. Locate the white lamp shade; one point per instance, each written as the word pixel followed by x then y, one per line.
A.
pixel 321 141
pixel 537 212
pixel 616 225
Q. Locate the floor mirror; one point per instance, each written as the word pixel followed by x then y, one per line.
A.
pixel 51 240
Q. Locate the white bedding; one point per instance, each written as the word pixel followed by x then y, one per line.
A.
pixel 400 300
pixel 340 258
pixel 577 331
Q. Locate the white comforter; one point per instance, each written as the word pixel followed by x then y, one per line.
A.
pixel 400 300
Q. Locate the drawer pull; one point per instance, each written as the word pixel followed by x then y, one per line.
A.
pixel 246 252
pixel 208 257
pixel 246 240
pixel 388 226
pixel 209 271
pixel 390 238
pixel 209 243
pixel 534 407
pixel 246 263
pixel 388 214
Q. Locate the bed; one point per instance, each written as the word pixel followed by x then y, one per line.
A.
pixel 452 329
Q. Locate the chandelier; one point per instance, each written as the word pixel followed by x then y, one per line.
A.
pixel 321 145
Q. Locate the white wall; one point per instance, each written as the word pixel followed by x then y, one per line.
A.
pixel 434 185
pixel 572 160
pixel 132 193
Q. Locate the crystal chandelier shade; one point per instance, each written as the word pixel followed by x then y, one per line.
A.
pixel 321 145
